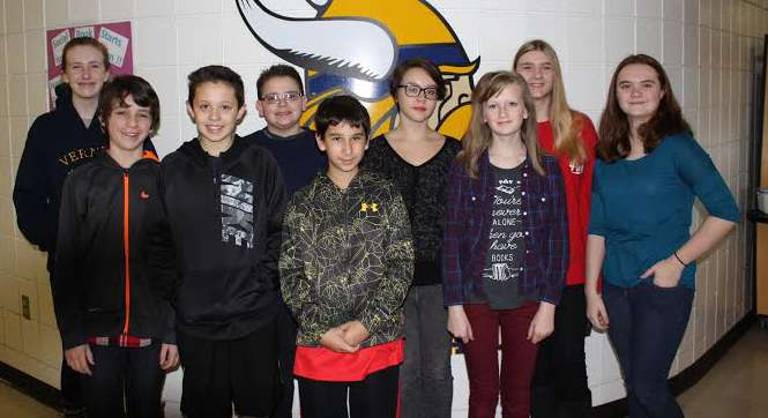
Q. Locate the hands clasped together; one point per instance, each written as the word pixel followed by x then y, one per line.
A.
pixel 346 338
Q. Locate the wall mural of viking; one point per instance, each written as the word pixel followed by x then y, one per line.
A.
pixel 352 47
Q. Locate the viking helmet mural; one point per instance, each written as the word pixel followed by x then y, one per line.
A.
pixel 352 47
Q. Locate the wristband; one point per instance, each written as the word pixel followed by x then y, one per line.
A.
pixel 680 259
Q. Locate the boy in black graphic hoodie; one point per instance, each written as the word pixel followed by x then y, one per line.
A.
pixel 224 199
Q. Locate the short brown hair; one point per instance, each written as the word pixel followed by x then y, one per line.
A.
pixel 215 74
pixel 278 70
pixel 84 41
pixel 614 132
pixel 114 93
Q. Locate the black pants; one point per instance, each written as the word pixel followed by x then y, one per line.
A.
pixel 286 342
pixel 220 373
pixel 374 397
pixel 559 388
pixel 70 382
pixel 71 388
pixel 130 374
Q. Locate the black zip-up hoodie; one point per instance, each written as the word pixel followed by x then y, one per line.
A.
pixel 224 216
pixel 101 285
pixel 57 142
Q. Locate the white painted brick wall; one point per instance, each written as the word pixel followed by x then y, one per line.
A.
pixel 710 48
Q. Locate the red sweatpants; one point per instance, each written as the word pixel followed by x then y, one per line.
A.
pixel 518 358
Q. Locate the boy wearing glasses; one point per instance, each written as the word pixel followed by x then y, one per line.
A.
pixel 281 102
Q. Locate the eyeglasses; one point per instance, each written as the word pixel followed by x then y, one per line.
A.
pixel 276 98
pixel 430 93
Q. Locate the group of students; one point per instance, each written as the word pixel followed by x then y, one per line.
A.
pixel 340 260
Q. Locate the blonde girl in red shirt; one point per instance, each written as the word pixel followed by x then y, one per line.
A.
pixel 559 387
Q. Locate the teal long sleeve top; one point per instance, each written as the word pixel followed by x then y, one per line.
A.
pixel 643 207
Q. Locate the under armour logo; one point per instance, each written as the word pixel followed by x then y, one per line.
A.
pixel 365 206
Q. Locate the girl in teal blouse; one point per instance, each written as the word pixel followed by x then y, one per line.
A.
pixel 649 171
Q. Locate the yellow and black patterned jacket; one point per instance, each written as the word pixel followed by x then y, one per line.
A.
pixel 347 255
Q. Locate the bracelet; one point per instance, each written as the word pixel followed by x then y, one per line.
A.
pixel 680 259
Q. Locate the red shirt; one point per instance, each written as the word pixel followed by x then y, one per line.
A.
pixel 578 193
pixel 320 363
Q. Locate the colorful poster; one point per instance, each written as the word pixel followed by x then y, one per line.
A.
pixel 115 36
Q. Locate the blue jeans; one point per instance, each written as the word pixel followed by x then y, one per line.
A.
pixel 647 323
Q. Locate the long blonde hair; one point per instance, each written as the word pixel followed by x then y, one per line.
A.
pixel 566 124
pixel 478 138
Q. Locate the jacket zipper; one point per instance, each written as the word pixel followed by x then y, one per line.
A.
pixel 126 251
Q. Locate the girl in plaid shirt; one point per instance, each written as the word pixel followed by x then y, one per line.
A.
pixel 505 245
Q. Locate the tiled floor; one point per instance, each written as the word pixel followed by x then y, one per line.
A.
pixel 734 387
pixel 15 404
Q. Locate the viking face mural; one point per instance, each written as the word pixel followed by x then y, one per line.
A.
pixel 352 47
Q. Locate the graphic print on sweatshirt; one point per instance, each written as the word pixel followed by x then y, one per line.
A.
pixel 236 211
pixel 75 155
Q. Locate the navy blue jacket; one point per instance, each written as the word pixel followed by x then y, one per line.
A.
pixel 57 142
pixel 298 156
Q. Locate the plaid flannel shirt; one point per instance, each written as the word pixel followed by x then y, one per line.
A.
pixel 467 225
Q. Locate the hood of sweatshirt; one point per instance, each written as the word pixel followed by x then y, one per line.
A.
pixel 193 151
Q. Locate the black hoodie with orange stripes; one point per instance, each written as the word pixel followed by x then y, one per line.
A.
pixel 101 285
pixel 224 218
